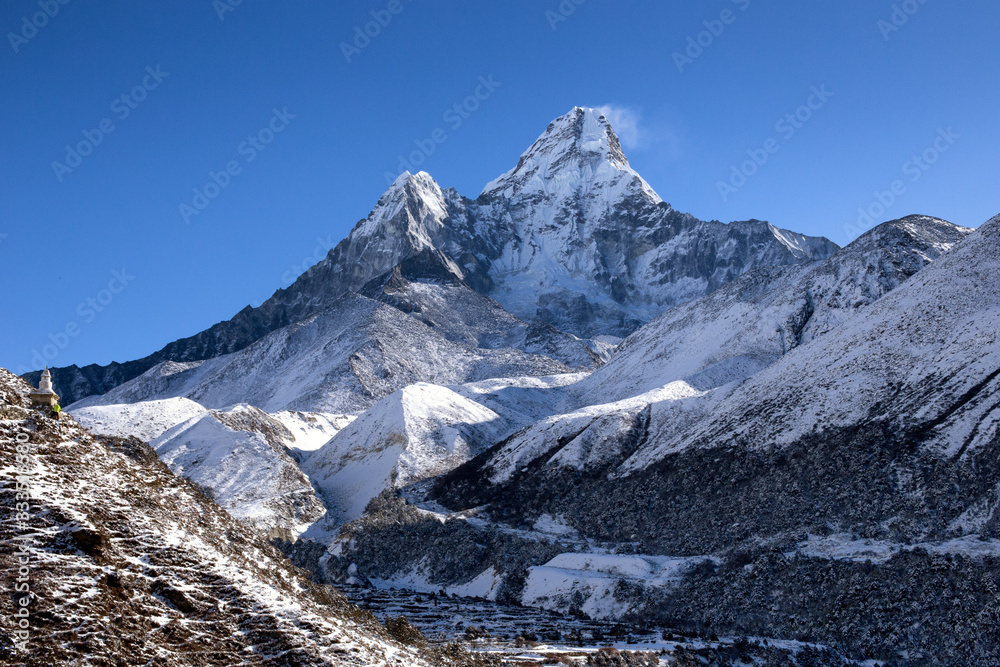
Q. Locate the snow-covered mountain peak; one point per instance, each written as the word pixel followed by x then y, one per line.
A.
pixel 925 228
pixel 577 152
pixel 401 179
pixel 414 206
pixel 588 131
pixel 922 237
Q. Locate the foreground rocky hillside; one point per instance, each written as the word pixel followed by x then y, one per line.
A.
pixel 129 564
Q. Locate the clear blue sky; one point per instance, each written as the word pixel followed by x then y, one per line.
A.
pixel 60 240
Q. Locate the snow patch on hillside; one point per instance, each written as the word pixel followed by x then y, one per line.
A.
pixel 842 546
pixel 146 420
pixel 311 430
pixel 483 585
pixel 589 582
pixel 414 433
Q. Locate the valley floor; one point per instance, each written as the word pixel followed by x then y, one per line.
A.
pixel 528 635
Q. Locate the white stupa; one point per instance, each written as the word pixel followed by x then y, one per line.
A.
pixel 44 394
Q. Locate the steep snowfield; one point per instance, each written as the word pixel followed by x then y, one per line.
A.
pixel 414 433
pixel 240 456
pixel 311 430
pixel 129 562
pixel 145 420
pixel 523 400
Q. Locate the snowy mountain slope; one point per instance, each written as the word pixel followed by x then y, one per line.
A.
pixel 660 374
pixel 239 456
pixel 145 420
pixel 571 237
pixel 750 323
pixel 596 436
pixel 925 359
pixel 880 426
pixel 922 365
pixel 401 224
pixel 165 380
pixel 341 360
pixel 422 431
pixel 128 561
pixel 414 433
pixel 310 430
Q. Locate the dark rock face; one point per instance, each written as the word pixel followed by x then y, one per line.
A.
pixel 572 237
